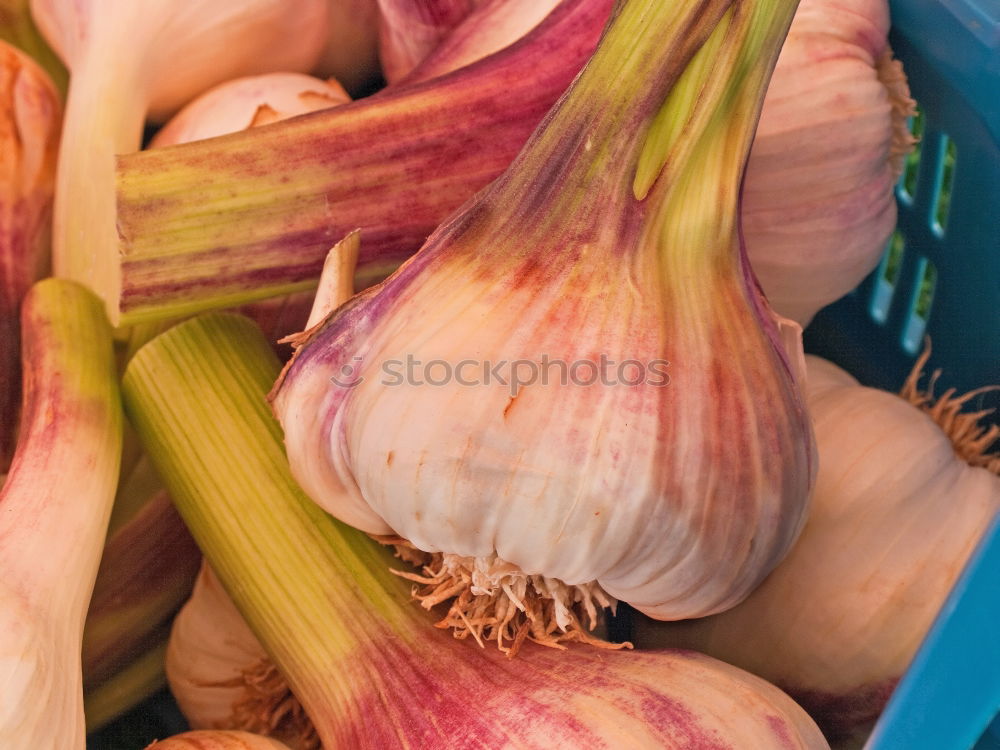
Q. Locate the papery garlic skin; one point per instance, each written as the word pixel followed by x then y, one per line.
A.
pixel 677 493
pixel 895 516
pixel 246 102
pixel 818 202
pixel 410 29
pixel 491 26
pixel 218 740
pixel 210 647
pixel 30 118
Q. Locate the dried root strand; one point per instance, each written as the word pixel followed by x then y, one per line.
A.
pixel 903 107
pixel 269 707
pixel 974 443
pixel 492 600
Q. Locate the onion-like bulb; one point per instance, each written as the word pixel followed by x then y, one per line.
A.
pixel 818 202
pixel 906 488
pixel 660 453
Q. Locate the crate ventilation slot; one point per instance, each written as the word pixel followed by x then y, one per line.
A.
pixel 886 278
pixel 944 180
pixel 906 188
pixel 920 306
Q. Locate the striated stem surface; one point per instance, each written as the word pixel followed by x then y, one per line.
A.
pixel 252 215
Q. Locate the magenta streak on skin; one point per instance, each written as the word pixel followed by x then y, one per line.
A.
pixel 436 692
pixel 464 128
pixel 780 728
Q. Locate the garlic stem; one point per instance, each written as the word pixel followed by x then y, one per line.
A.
pixel 311 624
pixel 129 687
pixel 54 510
pixel 279 197
pixel 105 112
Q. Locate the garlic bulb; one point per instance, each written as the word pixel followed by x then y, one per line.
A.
pixel 129 60
pixel 369 669
pixel 896 513
pixel 220 675
pixel 30 115
pixel 218 740
pixel 491 26
pixel 246 102
pixel 410 29
pixel 678 482
pixel 818 202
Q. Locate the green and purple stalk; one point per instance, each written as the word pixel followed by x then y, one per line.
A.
pixel 54 510
pixel 252 215
pixel 147 570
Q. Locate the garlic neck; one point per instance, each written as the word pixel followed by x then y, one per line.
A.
pixel 104 117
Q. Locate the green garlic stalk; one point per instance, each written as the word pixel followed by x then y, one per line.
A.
pixel 252 215
pixel 54 510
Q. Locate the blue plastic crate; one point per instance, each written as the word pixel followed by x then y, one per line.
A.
pixel 941 278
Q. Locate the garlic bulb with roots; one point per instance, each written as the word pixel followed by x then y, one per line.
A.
pixel 818 203
pixel 906 488
pixel 368 667
pixel 612 238
pixel 221 676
